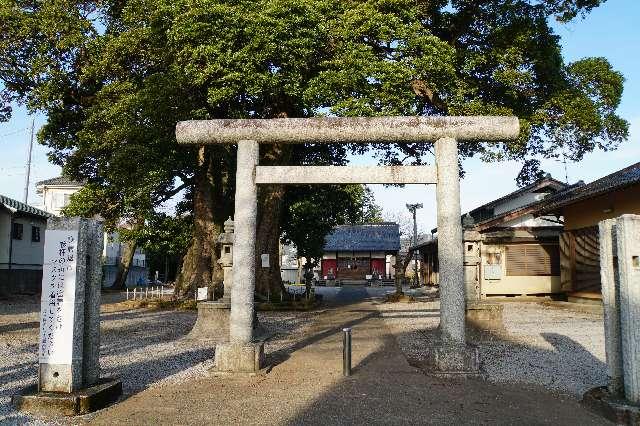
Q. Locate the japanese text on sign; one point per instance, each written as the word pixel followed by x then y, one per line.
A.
pixel 58 296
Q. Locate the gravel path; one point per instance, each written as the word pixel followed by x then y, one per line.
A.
pixel 560 349
pixel 144 348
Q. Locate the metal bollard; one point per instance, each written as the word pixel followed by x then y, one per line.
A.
pixel 346 352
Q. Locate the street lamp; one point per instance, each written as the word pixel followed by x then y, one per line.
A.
pixel 413 208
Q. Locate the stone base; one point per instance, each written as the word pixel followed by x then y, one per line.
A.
pixel 234 358
pixel 450 360
pixel 484 315
pixel 618 411
pixel 212 322
pixel 84 401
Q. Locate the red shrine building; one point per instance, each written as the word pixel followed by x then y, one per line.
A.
pixel 361 252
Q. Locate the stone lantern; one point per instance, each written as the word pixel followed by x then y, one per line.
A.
pixel 225 241
pixel 213 316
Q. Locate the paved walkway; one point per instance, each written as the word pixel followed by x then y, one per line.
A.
pixel 306 387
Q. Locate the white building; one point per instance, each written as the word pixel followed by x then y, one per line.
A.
pixel 56 194
pixel 22 231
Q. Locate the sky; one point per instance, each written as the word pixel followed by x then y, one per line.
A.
pixel 610 31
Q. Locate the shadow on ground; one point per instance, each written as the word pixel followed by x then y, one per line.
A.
pixel 384 389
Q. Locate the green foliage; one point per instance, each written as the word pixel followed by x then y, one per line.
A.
pixel 114 77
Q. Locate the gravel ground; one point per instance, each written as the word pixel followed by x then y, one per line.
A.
pixel 144 348
pixel 560 349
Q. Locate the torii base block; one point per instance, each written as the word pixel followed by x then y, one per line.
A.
pixel 450 360
pixel 240 358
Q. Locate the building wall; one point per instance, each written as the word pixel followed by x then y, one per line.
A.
pixel 56 198
pixel 530 221
pixel 477 271
pixel 25 273
pixel 511 285
pixel 289 275
pixel 26 254
pixel 522 200
pixel 5 235
pixel 20 281
pixel 590 212
pixel 113 250
pixel 136 276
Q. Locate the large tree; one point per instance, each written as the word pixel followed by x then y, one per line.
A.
pixel 113 78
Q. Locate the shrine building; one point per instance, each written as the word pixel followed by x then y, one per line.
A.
pixel 361 252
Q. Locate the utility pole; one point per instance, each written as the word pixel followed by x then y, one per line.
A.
pixel 413 208
pixel 28 167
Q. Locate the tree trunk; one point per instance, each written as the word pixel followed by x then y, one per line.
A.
pixel 269 280
pixel 200 262
pixel 401 267
pixel 270 203
pixel 299 277
pixel 308 276
pixel 124 264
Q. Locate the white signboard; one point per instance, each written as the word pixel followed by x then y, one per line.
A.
pixel 493 272
pixel 265 260
pixel 202 293
pixel 58 297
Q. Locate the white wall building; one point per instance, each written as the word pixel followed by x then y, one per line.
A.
pixel 22 232
pixel 56 194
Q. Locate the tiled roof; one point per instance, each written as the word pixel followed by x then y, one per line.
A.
pixel 384 236
pixel 544 182
pixel 618 180
pixel 60 180
pixel 15 205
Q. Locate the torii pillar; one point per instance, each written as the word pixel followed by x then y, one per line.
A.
pixel 450 354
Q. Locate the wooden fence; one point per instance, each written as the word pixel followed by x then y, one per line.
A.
pixel 580 260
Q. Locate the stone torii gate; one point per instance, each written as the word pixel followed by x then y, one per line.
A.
pixel 242 354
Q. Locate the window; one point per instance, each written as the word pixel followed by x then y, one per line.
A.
pixel 61 200
pixel 533 260
pixel 58 200
pixel 35 234
pixel 16 231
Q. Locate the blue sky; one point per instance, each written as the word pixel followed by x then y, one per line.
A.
pixel 610 31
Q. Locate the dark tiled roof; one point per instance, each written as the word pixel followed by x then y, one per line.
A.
pixel 60 180
pixel 531 208
pixel 12 204
pixel 545 182
pixel 383 236
pixel 618 180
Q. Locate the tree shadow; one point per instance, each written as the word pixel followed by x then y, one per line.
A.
pixel 18 326
pixel 385 389
pixel 138 376
pixel 281 355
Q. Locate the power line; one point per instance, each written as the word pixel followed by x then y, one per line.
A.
pixel 15 132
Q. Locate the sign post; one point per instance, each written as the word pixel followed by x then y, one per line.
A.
pixel 69 345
